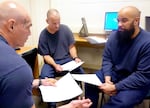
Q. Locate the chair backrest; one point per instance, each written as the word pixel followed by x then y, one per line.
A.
pixel 148 95
pixel 30 57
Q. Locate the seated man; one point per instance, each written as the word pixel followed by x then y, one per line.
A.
pixel 56 45
pixel 125 71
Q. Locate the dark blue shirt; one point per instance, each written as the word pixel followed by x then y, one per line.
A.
pixel 15 79
pixel 56 45
pixel 128 62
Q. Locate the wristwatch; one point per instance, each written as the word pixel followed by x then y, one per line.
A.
pixel 75 58
pixel 40 82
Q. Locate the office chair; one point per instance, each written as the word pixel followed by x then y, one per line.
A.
pixel 30 58
pixel 102 99
pixel 148 98
pixel 148 95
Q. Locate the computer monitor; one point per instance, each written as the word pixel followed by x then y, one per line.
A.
pixel 84 30
pixel 147 23
pixel 110 21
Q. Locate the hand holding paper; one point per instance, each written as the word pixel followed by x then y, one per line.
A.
pixel 71 65
pixel 88 78
pixel 66 88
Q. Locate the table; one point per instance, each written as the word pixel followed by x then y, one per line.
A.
pixel 81 41
pixel 91 54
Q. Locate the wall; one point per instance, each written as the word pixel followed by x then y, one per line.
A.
pixel 94 11
pixel 38 10
pixel 72 11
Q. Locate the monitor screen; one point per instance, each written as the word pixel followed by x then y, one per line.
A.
pixel 83 31
pixel 110 22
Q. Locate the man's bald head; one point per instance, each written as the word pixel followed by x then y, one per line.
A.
pixel 15 23
pixel 130 11
pixel 52 12
pixel 11 9
pixel 53 20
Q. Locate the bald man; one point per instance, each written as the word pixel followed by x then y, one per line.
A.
pixel 125 71
pixel 57 46
pixel 16 79
pixel 15 75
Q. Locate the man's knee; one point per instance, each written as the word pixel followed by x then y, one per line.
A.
pixel 123 101
pixel 47 71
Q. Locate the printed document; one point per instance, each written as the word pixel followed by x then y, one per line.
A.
pixel 96 40
pixel 71 65
pixel 88 78
pixel 66 88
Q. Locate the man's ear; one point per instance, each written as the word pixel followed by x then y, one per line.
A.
pixel 137 21
pixel 46 20
pixel 10 24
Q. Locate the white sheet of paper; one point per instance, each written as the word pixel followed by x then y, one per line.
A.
pixel 71 65
pixel 96 40
pixel 66 88
pixel 88 78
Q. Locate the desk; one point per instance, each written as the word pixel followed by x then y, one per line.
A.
pixel 91 54
pixel 81 41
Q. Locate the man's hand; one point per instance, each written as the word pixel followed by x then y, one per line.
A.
pixel 108 80
pixel 80 103
pixel 58 68
pixel 108 88
pixel 48 81
pixel 77 59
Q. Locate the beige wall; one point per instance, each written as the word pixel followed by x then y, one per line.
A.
pixel 72 11
pixel 94 12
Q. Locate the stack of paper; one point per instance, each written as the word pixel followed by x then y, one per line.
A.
pixel 96 40
pixel 88 78
pixel 66 88
pixel 71 65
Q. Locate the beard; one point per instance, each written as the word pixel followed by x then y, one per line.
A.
pixel 125 35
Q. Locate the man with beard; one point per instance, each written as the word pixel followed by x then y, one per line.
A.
pixel 125 71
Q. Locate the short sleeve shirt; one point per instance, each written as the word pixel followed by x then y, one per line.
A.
pixel 56 45
pixel 15 79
